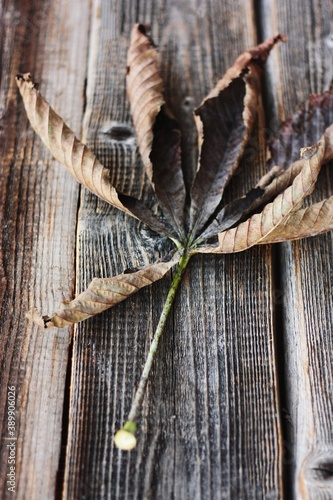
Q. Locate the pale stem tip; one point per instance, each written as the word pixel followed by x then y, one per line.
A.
pixel 125 439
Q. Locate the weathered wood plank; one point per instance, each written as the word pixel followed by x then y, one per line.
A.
pixel 210 425
pixel 38 211
pixel 303 66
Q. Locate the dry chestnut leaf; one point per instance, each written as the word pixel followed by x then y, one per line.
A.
pixel 194 213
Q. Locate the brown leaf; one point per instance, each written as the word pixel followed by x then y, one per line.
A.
pixel 81 162
pixel 232 213
pixel 168 180
pixel 277 179
pixel 329 144
pixel 224 121
pixel 310 221
pixel 190 144
pixel 104 293
pixel 146 215
pixel 63 144
pixel 158 133
pixel 305 126
pixel 309 121
pixel 269 186
pixel 259 226
pixel 227 115
pixel 144 90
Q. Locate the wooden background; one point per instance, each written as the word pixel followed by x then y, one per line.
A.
pixel 240 404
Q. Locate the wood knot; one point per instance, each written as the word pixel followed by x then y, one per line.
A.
pixel 323 470
pixel 319 468
pixel 118 132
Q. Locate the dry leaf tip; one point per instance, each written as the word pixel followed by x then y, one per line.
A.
pixel 26 78
pixel 309 151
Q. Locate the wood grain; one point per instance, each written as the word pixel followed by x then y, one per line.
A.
pixel 38 210
pixel 210 423
pixel 303 66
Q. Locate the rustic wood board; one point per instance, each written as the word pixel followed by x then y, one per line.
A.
pixel 38 213
pixel 210 425
pixel 305 65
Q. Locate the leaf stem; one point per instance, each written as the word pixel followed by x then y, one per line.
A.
pixel 125 437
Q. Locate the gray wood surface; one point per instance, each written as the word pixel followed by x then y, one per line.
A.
pixel 240 403
pixel 303 66
pixel 37 243
pixel 205 433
